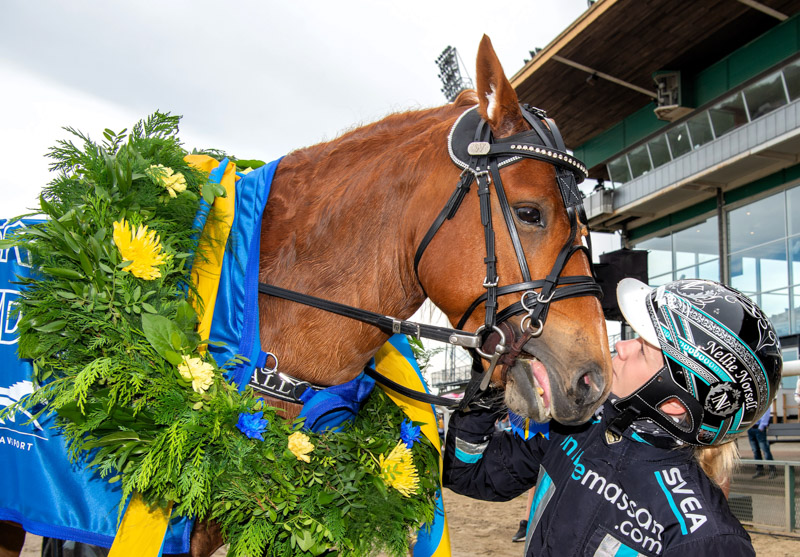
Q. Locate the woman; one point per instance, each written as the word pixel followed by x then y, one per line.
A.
pixel 646 476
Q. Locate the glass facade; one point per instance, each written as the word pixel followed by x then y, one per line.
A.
pixel 762 97
pixel 763 255
pixel 764 242
pixel 691 252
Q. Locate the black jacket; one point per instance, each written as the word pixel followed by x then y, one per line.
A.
pixel 596 493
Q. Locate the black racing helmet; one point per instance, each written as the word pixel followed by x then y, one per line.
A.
pixel 722 358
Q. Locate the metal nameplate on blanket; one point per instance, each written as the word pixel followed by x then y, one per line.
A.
pixel 266 381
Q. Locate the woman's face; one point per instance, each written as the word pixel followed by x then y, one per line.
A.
pixel 636 362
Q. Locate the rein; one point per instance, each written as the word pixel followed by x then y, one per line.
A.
pixel 473 148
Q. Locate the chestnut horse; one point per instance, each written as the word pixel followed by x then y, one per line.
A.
pixel 345 221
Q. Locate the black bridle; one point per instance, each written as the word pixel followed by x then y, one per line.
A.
pixel 473 148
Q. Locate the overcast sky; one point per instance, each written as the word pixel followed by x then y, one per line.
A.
pixel 254 78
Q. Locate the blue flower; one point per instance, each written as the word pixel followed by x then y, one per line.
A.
pixel 409 433
pixel 252 425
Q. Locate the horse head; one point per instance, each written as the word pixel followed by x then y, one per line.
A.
pixel 350 221
pixel 560 368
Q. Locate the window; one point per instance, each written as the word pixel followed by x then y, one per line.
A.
pixel 763 255
pixel 692 252
pixel 764 243
pixel 678 141
pixel 700 129
pixel 697 251
pixel 791 75
pixel 639 160
pixel 775 306
pixel 796 310
pixel 659 152
pixel 728 114
pixel 757 223
pixel 659 257
pixel 742 107
pixel 760 268
pixel 765 96
pixel 793 209
pixel 618 170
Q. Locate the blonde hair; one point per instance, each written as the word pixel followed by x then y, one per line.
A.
pixel 718 462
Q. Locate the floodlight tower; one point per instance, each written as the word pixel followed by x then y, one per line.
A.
pixel 450 65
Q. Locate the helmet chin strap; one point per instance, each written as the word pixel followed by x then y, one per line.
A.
pixel 623 420
pixel 646 403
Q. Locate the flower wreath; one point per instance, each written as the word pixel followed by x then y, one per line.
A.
pixel 109 324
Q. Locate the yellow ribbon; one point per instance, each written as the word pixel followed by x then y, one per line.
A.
pixel 208 260
pixel 392 364
pixel 142 530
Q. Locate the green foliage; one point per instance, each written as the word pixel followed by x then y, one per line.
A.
pixel 421 354
pixel 107 347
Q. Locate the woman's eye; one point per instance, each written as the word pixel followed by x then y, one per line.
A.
pixel 529 215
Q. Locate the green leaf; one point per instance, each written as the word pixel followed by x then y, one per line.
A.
pixel 326 497
pixel 62 273
pixel 105 268
pixel 159 332
pixel 52 327
pixel 112 439
pixel 72 412
pixel 306 541
pixel 86 265
pixel 185 316
pixel 172 357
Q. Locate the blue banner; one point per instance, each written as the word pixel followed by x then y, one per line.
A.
pixel 39 487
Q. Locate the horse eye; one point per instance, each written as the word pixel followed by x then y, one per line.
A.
pixel 529 215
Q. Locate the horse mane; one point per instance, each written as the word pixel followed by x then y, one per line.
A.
pixel 386 130
pixel 316 240
pixel 393 155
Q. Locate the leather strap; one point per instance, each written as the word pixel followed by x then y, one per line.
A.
pixel 388 324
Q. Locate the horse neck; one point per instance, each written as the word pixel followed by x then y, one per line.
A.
pixel 343 222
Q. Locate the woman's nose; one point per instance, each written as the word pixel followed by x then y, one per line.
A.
pixel 624 348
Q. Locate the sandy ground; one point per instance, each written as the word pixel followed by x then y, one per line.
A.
pixel 479 528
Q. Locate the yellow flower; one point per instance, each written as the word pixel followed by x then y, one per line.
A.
pixel 174 183
pixel 398 471
pixel 141 247
pixel 300 445
pixel 200 373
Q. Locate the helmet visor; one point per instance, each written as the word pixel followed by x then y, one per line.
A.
pixel 631 296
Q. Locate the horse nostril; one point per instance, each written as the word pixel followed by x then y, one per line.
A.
pixel 589 387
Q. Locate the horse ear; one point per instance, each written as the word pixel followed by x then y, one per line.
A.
pixel 497 101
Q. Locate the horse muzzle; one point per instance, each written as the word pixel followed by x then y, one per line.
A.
pixel 536 390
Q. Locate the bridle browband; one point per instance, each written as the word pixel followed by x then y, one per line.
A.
pixel 473 148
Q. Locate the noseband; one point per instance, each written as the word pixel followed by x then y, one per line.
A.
pixel 473 149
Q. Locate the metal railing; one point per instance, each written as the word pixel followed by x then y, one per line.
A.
pixel 450 376
pixel 765 495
